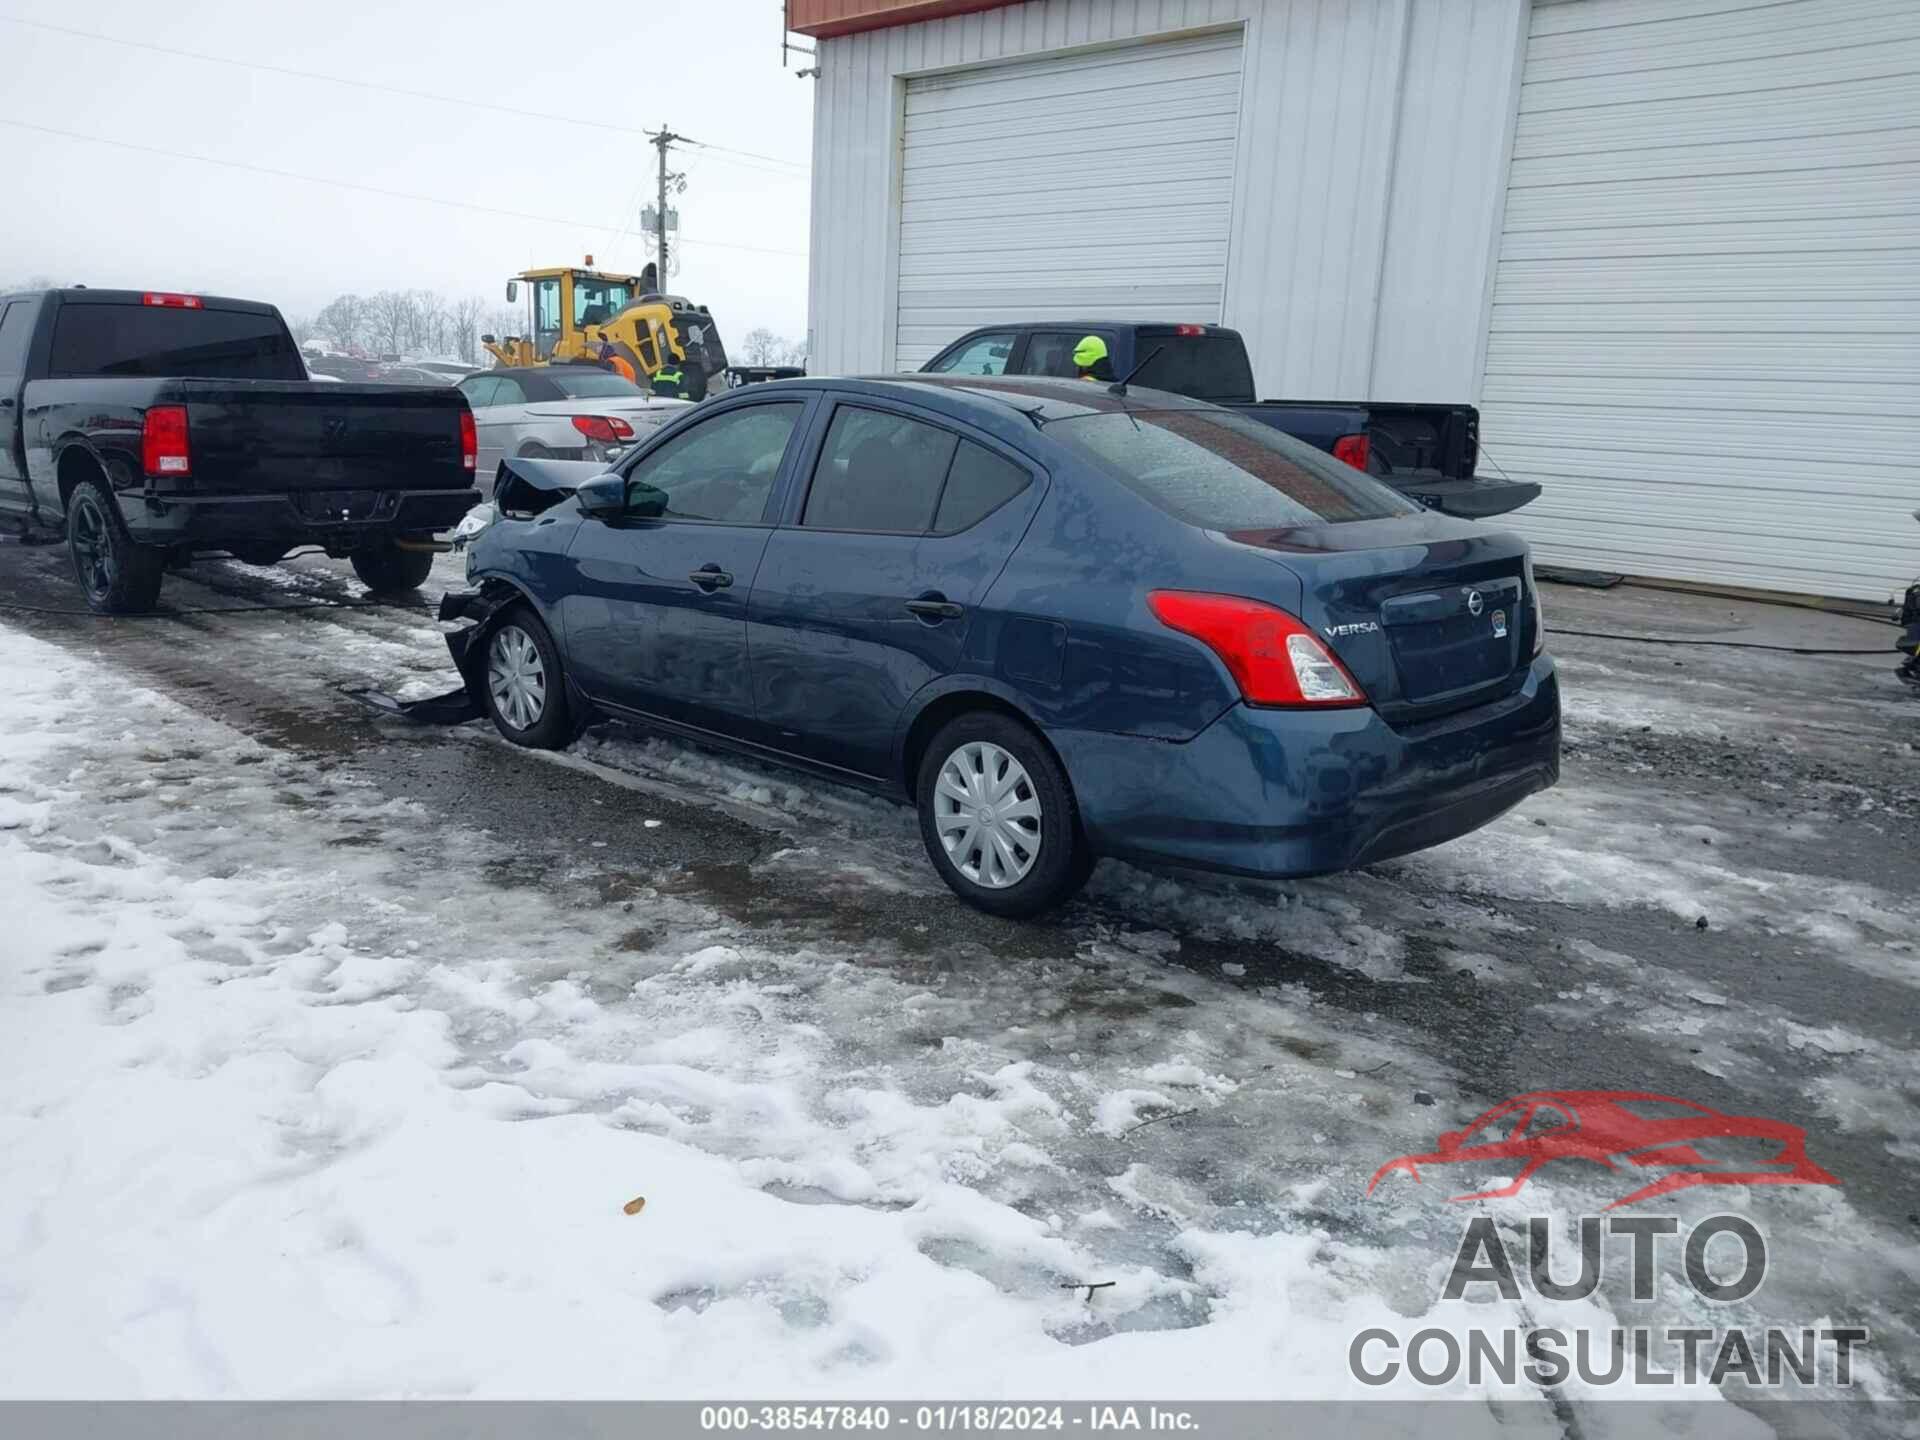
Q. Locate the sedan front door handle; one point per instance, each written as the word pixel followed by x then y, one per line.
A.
pixel 710 578
pixel 935 610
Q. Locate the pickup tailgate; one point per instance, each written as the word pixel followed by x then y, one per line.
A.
pixel 255 436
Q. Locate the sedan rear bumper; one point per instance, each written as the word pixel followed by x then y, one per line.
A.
pixel 1279 793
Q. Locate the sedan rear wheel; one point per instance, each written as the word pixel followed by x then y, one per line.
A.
pixel 998 818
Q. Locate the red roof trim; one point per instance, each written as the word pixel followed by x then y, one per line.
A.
pixel 824 19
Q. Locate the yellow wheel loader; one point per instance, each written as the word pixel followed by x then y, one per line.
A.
pixel 615 322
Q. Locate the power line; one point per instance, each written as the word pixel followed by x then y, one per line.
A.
pixel 750 154
pixel 590 225
pixel 431 95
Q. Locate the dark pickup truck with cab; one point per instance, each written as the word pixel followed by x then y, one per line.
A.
pixel 145 428
pixel 1427 452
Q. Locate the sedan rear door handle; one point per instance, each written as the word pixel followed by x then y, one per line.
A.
pixel 710 578
pixel 935 609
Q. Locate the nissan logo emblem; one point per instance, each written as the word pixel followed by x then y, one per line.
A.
pixel 1474 603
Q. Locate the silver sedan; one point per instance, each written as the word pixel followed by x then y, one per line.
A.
pixel 560 412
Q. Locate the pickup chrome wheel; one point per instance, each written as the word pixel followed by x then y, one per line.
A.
pixel 998 817
pixel 987 814
pixel 525 692
pixel 118 576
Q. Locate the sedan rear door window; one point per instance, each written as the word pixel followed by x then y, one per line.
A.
pixel 721 469
pixel 1222 471
pixel 878 472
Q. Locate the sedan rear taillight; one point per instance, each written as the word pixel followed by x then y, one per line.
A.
pixel 163 442
pixel 1539 610
pixel 469 442
pixel 1356 450
pixel 607 429
pixel 1272 656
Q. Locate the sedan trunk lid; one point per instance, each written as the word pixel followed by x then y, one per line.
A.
pixel 1428 613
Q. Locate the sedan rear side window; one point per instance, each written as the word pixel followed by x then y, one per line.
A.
pixel 979 483
pixel 1222 471
pixel 154 340
pixel 878 472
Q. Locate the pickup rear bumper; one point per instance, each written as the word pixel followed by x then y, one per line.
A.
pixel 337 519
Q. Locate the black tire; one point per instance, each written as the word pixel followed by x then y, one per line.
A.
pixel 386 569
pixel 1059 860
pixel 118 576
pixel 551 728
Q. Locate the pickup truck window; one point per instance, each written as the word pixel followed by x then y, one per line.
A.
pixel 1221 471
pixel 16 329
pixel 1050 352
pixel 155 341
pixel 984 355
pixel 1206 367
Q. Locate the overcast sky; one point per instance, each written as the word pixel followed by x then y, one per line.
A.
pixel 108 216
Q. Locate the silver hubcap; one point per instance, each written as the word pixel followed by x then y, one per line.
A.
pixel 987 815
pixel 516 677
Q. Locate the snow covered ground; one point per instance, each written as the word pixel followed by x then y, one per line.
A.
pixel 317 1082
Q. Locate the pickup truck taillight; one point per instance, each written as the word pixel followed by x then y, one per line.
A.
pixel 1273 657
pixel 607 429
pixel 163 442
pixel 469 442
pixel 1354 449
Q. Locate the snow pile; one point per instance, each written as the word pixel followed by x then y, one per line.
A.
pixel 296 1104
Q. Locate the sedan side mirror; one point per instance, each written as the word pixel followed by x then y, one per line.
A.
pixel 603 497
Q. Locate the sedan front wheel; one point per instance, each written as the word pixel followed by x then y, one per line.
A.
pixel 526 694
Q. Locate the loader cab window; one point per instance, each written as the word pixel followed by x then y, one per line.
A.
pixel 546 316
pixel 595 302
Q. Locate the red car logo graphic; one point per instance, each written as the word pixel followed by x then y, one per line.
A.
pixel 1615 1128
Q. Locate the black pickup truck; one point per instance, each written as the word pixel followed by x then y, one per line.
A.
pixel 145 428
pixel 1428 452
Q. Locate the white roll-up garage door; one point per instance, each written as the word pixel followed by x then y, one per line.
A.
pixel 1084 185
pixel 1705 337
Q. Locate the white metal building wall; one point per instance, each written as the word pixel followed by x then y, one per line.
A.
pixel 1099 182
pixel 1705 333
pixel 1367 167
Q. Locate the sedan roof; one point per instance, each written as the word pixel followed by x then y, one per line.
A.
pixel 1039 397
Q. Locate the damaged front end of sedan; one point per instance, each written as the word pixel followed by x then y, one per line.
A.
pixel 523 490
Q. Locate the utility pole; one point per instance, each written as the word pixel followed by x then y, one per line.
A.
pixel 662 140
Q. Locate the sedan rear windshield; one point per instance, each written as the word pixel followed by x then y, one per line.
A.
pixel 585 384
pixel 1206 367
pixel 1222 471
pixel 153 340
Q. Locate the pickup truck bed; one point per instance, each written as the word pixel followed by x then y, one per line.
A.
pixel 182 424
pixel 1426 451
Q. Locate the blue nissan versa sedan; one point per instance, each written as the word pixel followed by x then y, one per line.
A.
pixel 1064 621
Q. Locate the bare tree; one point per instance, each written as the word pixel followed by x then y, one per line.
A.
pixel 393 317
pixel 463 326
pixel 302 328
pixel 794 352
pixel 345 320
pixel 760 346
